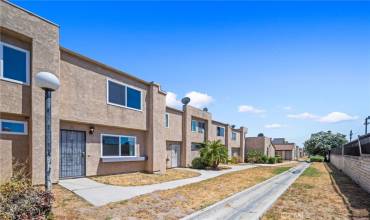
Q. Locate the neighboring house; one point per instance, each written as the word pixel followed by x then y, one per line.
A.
pixel 187 129
pixel 104 121
pixel 261 144
pixel 286 150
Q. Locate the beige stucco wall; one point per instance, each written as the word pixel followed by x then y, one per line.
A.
pixel 174 132
pixel 261 144
pixel 84 95
pixel 44 57
pixel 193 137
pixel 6 153
pixel 213 132
pixel 94 164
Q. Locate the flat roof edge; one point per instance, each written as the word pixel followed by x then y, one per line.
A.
pixel 31 13
pixel 87 59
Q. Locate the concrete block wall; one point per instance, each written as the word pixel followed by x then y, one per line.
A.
pixel 356 167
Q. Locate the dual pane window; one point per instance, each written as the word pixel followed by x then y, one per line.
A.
pixel 123 95
pixel 13 127
pixel 233 136
pixel 197 126
pixel 167 120
pixel 15 64
pixel 118 146
pixel 220 131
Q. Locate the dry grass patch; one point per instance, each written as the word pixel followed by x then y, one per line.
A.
pixel 178 202
pixel 140 178
pixel 314 196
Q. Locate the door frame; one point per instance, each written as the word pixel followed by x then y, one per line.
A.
pixel 60 155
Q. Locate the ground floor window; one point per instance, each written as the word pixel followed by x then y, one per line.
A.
pixel 118 146
pixel 195 146
pixel 13 127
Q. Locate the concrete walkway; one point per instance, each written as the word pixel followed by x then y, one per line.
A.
pixel 252 203
pixel 99 194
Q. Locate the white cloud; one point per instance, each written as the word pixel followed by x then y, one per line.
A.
pixel 335 117
pixel 304 115
pixel 172 101
pixel 198 99
pixel 251 109
pixel 332 117
pixel 274 125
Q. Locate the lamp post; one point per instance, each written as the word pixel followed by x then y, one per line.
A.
pixel 49 83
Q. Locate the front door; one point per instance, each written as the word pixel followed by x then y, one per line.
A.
pixel 72 154
pixel 175 155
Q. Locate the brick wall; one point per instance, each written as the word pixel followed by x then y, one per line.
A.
pixel 356 167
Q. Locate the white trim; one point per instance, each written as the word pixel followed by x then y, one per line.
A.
pixel 126 86
pixel 119 145
pixel 25 124
pixel 166 119
pixel 122 159
pixel 2 44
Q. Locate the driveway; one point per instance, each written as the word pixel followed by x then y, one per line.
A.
pixel 99 194
pixel 251 203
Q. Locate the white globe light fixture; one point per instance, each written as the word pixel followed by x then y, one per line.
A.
pixel 48 82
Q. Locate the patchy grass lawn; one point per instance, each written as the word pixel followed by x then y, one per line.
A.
pixel 279 170
pixel 167 204
pixel 315 195
pixel 140 178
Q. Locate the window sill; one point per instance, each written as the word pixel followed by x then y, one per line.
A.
pixel 121 159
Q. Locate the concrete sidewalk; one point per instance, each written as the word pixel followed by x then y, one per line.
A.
pixel 99 194
pixel 251 203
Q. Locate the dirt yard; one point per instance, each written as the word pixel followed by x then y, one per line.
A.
pixel 140 179
pixel 322 192
pixel 167 204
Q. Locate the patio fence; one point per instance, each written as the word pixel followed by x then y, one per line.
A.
pixel 354 160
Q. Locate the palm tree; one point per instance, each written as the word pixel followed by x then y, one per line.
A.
pixel 214 153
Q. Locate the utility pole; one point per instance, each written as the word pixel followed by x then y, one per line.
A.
pixel 366 123
pixel 350 135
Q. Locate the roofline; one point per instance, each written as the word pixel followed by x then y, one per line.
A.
pixel 31 13
pixel 225 124
pixel 175 109
pixel 73 53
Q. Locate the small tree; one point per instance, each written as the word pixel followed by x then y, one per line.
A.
pixel 260 135
pixel 320 143
pixel 214 153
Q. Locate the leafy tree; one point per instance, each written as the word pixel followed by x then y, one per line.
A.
pixel 214 153
pixel 260 135
pixel 320 143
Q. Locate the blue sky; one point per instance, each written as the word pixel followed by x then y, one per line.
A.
pixel 286 65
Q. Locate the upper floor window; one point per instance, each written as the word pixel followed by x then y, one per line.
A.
pixel 198 126
pixel 167 120
pixel 220 131
pixel 233 136
pixel 13 127
pixel 118 146
pixel 14 64
pixel 123 95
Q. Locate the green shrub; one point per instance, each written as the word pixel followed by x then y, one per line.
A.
pixel 198 163
pixel 317 158
pixel 213 153
pixel 279 159
pixel 271 160
pixel 263 159
pixel 20 200
pixel 234 160
pixel 254 156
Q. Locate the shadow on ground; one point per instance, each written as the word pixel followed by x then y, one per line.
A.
pixel 357 199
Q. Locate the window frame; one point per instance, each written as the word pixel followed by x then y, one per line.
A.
pixel 126 86
pixel 2 44
pixel 166 120
pixel 25 124
pixel 196 125
pixel 221 128
pixel 119 145
pixel 233 134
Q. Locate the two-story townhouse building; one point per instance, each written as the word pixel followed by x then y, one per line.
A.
pixel 262 144
pixel 104 121
pixel 188 128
